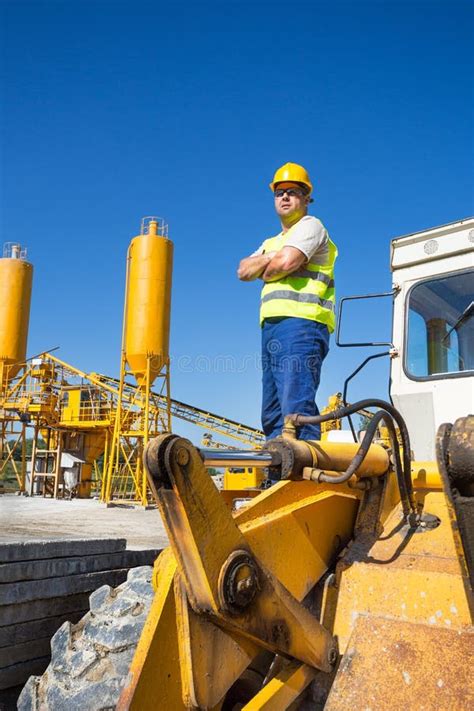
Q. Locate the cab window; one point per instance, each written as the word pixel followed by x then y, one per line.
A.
pixel 441 326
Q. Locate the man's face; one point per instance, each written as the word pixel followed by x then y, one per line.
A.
pixel 288 206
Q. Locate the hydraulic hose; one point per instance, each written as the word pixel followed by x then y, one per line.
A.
pixel 362 452
pixel 404 476
pixel 407 500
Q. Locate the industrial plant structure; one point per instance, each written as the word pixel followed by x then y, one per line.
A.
pixel 88 429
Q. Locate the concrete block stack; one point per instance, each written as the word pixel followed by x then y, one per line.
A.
pixel 45 583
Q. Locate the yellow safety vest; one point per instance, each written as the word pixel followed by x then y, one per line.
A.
pixel 307 293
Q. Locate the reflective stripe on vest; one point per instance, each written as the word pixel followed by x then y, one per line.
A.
pixel 307 293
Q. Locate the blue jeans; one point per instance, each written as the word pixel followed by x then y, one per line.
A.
pixel 293 350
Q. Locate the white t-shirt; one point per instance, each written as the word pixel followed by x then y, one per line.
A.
pixel 309 236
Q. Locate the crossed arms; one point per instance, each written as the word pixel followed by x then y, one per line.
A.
pixel 272 265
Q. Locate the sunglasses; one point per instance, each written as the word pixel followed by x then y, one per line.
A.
pixel 291 192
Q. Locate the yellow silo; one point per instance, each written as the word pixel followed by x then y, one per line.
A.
pixel 148 300
pixel 16 276
pixel 145 354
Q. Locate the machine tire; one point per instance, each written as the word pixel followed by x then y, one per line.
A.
pixel 90 660
pixel 460 453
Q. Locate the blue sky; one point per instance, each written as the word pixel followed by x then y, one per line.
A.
pixel 116 110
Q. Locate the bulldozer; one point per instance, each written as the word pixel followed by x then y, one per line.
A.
pixel 348 582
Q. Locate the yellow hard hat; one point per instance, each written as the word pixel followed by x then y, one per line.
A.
pixel 291 173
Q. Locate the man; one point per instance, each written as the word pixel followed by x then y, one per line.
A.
pixel 297 311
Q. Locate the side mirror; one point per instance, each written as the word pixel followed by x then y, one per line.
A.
pixel 339 320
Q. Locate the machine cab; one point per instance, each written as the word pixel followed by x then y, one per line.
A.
pixel 432 372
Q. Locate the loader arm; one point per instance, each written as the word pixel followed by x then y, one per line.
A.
pixel 232 587
pixel 291 575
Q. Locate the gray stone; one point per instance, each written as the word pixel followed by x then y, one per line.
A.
pixel 23 652
pixel 142 573
pixel 121 662
pixel 39 609
pixel 74 565
pixel 61 642
pixel 124 606
pixel 99 599
pixel 113 636
pixel 27 701
pixel 34 550
pixel 92 697
pixel 81 661
pixel 101 644
pixel 12 593
pixel 139 589
pixel 23 632
pixel 16 674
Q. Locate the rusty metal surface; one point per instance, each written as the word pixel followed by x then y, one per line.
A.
pixel 299 542
pixel 242 581
pixel 391 665
pixel 404 575
pixel 203 534
pixel 286 494
pixel 209 657
pixel 430 550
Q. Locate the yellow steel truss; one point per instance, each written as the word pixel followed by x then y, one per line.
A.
pixel 114 418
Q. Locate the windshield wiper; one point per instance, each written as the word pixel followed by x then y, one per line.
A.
pixel 468 311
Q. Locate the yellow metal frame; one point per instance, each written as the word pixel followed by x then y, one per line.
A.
pixel 137 418
pixel 37 389
pixel 297 533
pixel 13 440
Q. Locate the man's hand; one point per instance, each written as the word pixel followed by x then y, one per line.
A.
pixel 251 268
pixel 285 261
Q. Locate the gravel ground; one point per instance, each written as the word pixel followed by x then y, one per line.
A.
pixel 25 519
